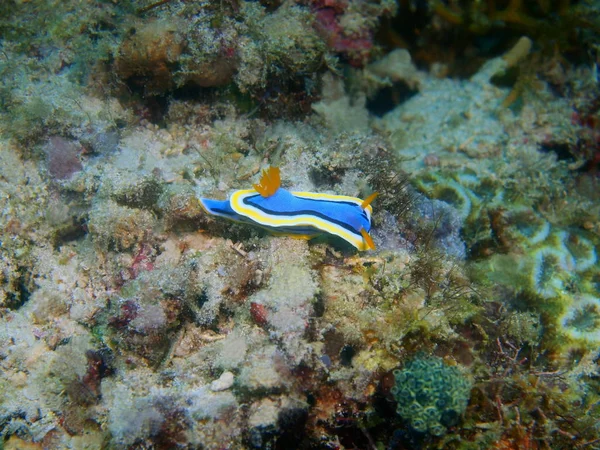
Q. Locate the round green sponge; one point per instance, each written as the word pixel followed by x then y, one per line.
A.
pixel 430 394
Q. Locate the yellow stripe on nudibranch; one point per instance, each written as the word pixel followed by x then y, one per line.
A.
pixel 299 214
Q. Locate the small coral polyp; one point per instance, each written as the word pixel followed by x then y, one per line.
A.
pixel 582 319
pixel 439 188
pixel 455 195
pixel 526 224
pixel 550 269
pixel 582 250
pixel 487 191
pixel 590 282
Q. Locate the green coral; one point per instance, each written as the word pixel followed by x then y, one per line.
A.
pixel 581 319
pixel 430 394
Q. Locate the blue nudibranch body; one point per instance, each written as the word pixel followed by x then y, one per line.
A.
pixel 299 214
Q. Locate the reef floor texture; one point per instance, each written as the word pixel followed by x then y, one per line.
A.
pixel 134 317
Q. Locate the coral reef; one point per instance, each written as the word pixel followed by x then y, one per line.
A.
pixel 130 318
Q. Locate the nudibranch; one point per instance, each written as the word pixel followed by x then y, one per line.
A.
pixel 298 214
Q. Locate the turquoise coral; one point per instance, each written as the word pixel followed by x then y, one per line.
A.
pixel 430 394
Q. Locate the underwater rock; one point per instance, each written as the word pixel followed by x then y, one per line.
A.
pixel 286 304
pixel 447 223
pixel 340 112
pixel 224 382
pixel 264 372
pixel 134 190
pixel 278 420
pixel 62 156
pixel 111 224
pixel 204 403
pixel 144 326
pixel 133 416
pixel 148 57
pixel 100 142
pixel 180 206
pixel 396 66
pixel 157 58
pixel 232 351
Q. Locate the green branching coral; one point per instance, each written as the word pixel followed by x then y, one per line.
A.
pixel 431 395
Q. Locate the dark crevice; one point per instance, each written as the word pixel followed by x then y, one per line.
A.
pixel 21 294
pixel 389 97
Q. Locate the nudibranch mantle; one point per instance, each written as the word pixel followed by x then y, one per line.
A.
pixel 299 214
